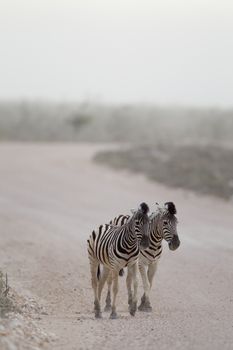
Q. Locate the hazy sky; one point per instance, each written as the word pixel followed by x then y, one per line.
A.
pixel 157 51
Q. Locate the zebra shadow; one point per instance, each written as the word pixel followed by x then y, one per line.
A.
pixel 122 315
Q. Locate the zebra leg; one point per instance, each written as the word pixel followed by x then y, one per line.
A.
pixel 145 302
pixel 134 273
pixel 152 268
pixel 129 284
pixel 108 298
pixel 94 282
pixel 102 281
pixel 115 291
pixel 151 272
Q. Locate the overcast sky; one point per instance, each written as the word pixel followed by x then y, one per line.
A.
pixel 156 51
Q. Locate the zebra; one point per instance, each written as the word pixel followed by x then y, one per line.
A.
pixel 116 247
pixel 163 225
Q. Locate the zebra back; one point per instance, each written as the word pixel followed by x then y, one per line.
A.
pixel 119 220
pixel 116 246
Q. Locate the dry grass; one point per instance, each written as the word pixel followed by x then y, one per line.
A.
pixel 6 304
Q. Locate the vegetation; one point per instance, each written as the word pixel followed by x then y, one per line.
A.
pixel 186 147
pixel 205 169
pixel 6 304
pixel 21 121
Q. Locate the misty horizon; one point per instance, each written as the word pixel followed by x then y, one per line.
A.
pixel 118 52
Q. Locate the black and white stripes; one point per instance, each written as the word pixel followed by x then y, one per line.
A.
pixel 163 225
pixel 116 247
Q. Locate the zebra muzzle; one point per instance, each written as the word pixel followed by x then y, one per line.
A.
pixel 174 243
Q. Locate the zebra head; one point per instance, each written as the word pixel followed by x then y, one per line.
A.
pixel 141 220
pixel 166 224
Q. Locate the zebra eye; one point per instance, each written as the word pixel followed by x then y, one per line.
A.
pixel 165 223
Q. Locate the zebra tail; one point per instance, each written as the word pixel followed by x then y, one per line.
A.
pixel 121 272
pixel 98 272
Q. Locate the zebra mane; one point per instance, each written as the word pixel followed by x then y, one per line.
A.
pixel 168 208
pixel 143 207
pixel 156 214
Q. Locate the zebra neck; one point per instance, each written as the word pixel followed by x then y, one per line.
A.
pixel 130 234
pixel 155 236
pixel 131 224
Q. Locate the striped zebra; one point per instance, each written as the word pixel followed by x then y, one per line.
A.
pixel 116 247
pixel 163 225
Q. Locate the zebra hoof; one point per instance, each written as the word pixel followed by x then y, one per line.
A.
pixel 98 314
pixel 141 307
pixel 113 316
pixel 143 299
pixel 107 308
pixel 148 307
pixel 145 308
pixel 133 308
pixel 132 312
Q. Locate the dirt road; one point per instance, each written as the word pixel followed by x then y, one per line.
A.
pixel 52 196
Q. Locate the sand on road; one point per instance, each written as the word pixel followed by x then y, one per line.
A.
pixel 53 195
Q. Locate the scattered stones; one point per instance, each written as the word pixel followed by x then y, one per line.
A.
pixel 44 313
pixel 20 331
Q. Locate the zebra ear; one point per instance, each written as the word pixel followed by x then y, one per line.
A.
pixel 170 206
pixel 144 208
